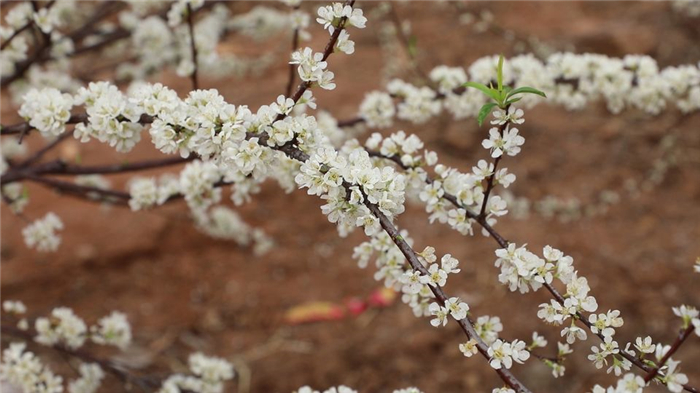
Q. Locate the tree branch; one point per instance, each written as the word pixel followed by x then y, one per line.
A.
pixel 193 46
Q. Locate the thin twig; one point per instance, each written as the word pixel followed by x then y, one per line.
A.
pixel 120 372
pixel 292 68
pixel 41 152
pixel 680 339
pixel 193 46
pixel 489 183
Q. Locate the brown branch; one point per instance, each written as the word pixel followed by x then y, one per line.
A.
pixel 292 68
pixel 503 243
pixel 106 9
pixel 466 324
pixel 75 118
pixel 193 46
pixel 680 339
pixel 119 198
pixel 113 196
pixel 350 122
pixel 60 167
pixel 41 152
pixel 326 52
pixel 22 67
pixel 489 183
pixel 24 127
pixel 118 371
pixel 406 45
pixel 410 255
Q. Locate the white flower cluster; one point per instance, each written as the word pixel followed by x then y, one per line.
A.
pixel 669 374
pixel 113 329
pixel 41 234
pixel 689 8
pixel 522 269
pixel 630 383
pixel 25 370
pixel 260 22
pixel 503 390
pixel 312 68
pixel 452 196
pixel 345 389
pixel 47 110
pixel 690 316
pixel 329 16
pixel 159 42
pixel 111 117
pixel 347 183
pixel 453 306
pixel 209 376
pixel 62 327
pixel 96 181
pixel 197 182
pixel 91 376
pixel 417 104
pixel 503 354
pixel 47 19
pixel 143 192
pixel 178 11
pixel 507 142
pixel 224 223
pixel 415 287
pixel 570 80
pixel 17 196
pixel 378 109
pixel 14 307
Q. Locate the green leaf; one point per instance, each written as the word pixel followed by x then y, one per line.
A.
pixel 78 159
pixel 512 101
pixel 527 90
pixel 484 111
pixel 500 73
pixel 489 92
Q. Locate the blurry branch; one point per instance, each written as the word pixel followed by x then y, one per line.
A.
pixel 96 194
pixel 42 53
pixel 408 44
pixel 680 339
pixel 193 46
pixel 60 167
pixel 292 68
pixel 145 383
pixel 23 66
pixel 26 26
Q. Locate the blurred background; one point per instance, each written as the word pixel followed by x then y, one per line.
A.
pixel 184 291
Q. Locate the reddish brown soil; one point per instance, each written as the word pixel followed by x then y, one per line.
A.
pixel 185 292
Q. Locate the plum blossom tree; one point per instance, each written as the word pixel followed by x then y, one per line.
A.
pixel 362 185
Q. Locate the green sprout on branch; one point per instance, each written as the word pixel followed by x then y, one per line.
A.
pixel 502 96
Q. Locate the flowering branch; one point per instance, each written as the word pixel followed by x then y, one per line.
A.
pixel 466 324
pixel 680 339
pixel 145 383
